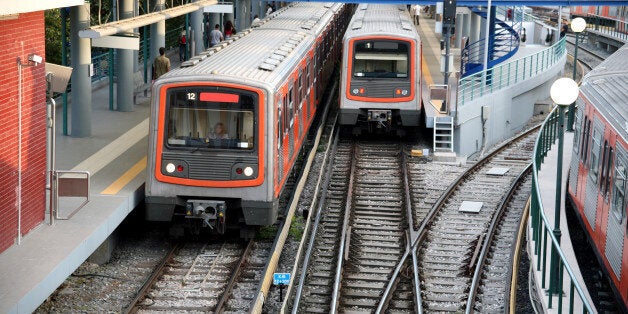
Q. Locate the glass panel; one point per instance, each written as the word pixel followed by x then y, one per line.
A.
pixel 210 117
pixel 381 59
pixel 619 188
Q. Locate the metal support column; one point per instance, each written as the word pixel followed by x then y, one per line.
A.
pixel 81 124
pixel 196 39
pixel 124 66
pixel 157 32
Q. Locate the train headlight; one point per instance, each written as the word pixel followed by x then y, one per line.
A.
pixel 248 171
pixel 358 91
pixel 401 92
pixel 170 167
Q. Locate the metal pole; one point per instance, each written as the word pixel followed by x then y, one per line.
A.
pixel 572 107
pixel 555 265
pixel 64 62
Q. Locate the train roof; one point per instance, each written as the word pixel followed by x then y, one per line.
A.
pixel 381 19
pixel 606 87
pixel 262 54
pixel 304 16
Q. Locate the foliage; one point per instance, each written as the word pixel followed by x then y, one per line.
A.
pixel 297 227
pixel 53 35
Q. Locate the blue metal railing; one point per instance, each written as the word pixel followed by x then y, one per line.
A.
pixel 542 228
pixel 509 73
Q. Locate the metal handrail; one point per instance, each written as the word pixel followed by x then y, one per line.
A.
pixel 542 228
pixel 509 73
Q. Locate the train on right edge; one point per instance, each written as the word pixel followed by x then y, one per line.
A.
pixel 599 166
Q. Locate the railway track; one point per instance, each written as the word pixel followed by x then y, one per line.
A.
pixel 365 207
pixel 369 207
pixel 452 236
pixel 204 277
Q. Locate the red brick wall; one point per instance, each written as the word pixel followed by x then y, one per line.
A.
pixel 18 38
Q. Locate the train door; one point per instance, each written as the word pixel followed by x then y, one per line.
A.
pixel 575 161
pixel 616 225
pixel 591 164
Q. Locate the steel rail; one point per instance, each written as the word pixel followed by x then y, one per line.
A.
pixel 422 231
pixel 492 229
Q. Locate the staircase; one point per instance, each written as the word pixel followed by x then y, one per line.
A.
pixel 504 43
pixel 443 134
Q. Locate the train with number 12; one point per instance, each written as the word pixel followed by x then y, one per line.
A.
pixel 227 126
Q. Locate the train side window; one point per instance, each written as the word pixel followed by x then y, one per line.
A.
pixel 585 142
pixel 308 78
pixel 577 130
pixel 594 159
pixel 279 121
pixel 290 112
pixel 300 95
pixel 286 115
pixel 609 166
pixel 619 189
pixel 604 172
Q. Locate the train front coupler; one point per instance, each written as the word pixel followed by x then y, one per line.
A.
pixel 213 213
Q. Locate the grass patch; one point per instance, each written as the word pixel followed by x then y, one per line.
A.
pixel 267 232
pixel 297 227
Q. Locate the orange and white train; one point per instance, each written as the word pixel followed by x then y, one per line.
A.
pixel 262 87
pixel 381 70
pixel 599 166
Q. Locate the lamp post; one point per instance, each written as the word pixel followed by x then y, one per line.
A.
pixel 564 92
pixel 577 26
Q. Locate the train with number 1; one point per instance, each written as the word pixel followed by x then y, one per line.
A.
pixel 381 70
pixel 227 126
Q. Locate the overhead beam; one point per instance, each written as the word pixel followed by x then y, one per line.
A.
pixel 127 25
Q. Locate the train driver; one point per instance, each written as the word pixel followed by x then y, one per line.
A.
pixel 219 132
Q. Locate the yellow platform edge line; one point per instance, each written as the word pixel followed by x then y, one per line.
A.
pixel 123 180
pixel 426 73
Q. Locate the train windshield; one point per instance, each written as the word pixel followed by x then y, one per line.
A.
pixel 381 59
pixel 211 117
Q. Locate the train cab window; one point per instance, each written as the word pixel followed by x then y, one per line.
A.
pixel 211 118
pixel 381 59
pixel 618 205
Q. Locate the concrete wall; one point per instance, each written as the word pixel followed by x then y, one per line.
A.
pixel 26 36
pixel 510 109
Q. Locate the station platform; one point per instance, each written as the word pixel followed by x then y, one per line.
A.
pixel 115 156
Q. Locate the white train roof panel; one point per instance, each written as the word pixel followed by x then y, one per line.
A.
pixel 381 19
pixel 606 87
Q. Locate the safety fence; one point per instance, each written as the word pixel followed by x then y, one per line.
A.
pixel 509 73
pixel 545 242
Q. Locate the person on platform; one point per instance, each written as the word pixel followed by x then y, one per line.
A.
pixel 416 12
pixel 161 64
pixel 229 30
pixel 215 36
pixel 256 21
pixel 182 46
pixel 269 9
